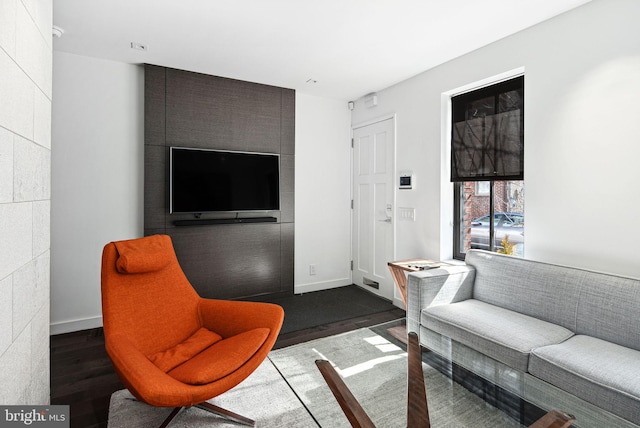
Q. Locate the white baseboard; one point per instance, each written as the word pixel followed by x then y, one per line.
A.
pixel 318 286
pixel 75 325
pixel 398 302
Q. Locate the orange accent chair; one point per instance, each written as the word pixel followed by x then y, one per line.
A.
pixel 169 346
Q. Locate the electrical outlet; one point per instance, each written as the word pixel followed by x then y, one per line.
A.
pixel 312 269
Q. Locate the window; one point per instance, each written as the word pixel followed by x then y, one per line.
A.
pixel 482 188
pixel 487 168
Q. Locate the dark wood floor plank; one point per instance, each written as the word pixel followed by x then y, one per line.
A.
pixel 326 330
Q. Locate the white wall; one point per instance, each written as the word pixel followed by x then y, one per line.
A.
pixel 25 177
pixel 581 138
pixel 97 178
pixel 323 193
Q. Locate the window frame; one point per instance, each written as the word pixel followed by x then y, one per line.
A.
pixel 458 252
pixel 458 186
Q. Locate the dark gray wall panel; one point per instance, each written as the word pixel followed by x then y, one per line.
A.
pixel 149 232
pixel 287 173
pixel 196 110
pixel 287 260
pixel 230 261
pixel 214 112
pixel 154 105
pixel 287 208
pixel 154 187
pixel 288 121
pixel 287 188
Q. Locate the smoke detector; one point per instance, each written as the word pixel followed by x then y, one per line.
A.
pixel 138 46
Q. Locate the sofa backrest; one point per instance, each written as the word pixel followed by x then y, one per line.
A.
pixel 544 291
pixel 591 303
pixel 609 309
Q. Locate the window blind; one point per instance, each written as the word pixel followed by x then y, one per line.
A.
pixel 487 133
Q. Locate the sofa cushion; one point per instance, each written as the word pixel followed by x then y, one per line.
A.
pixel 501 334
pixel 600 372
pixel 541 290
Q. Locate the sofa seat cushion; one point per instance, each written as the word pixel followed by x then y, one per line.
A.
pixel 600 372
pixel 499 333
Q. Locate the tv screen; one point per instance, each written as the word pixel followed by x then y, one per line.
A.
pixel 215 180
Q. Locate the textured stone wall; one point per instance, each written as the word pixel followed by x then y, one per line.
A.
pixel 25 201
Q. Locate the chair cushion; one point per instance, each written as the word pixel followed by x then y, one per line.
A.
pixel 600 372
pixel 148 254
pixel 196 343
pixel 220 359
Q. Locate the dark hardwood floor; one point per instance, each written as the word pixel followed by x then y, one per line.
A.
pixel 83 378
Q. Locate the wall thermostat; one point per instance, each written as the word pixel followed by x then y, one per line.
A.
pixel 406 180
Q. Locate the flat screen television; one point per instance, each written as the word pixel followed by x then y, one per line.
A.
pixel 203 181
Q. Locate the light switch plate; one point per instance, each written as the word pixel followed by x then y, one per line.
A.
pixel 407 214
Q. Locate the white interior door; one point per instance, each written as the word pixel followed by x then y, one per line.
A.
pixel 373 210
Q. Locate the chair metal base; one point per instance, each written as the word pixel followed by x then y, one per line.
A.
pixel 171 416
pixel 227 414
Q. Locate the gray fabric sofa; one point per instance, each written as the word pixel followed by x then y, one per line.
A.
pixel 559 337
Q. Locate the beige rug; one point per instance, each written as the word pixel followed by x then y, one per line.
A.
pixel 264 397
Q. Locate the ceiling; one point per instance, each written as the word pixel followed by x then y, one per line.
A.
pixel 348 47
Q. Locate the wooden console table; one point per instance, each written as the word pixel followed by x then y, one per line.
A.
pixel 400 268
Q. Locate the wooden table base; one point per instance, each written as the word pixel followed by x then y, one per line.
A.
pixel 417 406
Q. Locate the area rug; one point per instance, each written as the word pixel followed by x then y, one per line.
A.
pixel 264 396
pixel 288 386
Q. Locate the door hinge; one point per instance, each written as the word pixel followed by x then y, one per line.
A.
pixel 351 264
pixel 351 203
pixel 352 143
